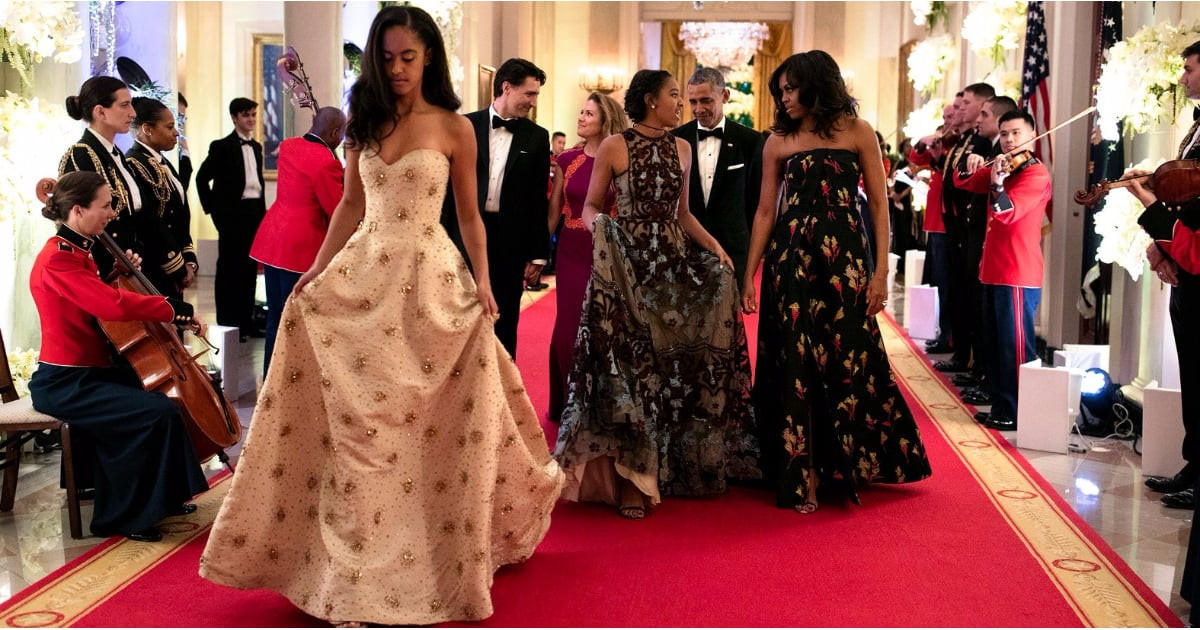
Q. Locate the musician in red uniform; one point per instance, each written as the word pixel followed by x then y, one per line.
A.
pixel 1010 269
pixel 143 466
pixel 309 188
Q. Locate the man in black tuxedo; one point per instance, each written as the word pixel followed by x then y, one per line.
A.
pixel 230 184
pixel 726 167
pixel 512 180
pixel 185 156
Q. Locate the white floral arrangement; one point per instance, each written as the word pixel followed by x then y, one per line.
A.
pixel 929 12
pixel 929 61
pixel 924 120
pixel 1122 240
pixel 1007 82
pixel 22 364
pixel 739 104
pixel 32 137
pixel 32 30
pixel 993 27
pixel 1139 80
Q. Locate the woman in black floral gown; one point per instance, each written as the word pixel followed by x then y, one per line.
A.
pixel 828 409
pixel 658 396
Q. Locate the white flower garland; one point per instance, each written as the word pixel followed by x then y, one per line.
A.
pixel 929 61
pixel 32 137
pixel 1122 240
pixel 924 120
pixel 1139 80
pixel 993 27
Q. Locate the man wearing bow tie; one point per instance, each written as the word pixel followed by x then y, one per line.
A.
pixel 511 169
pixel 230 185
pixel 727 172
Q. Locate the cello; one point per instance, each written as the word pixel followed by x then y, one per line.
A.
pixel 164 364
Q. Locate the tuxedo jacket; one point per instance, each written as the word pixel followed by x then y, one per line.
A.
pixel 520 234
pixel 1176 227
pixel 165 216
pixel 222 175
pixel 307 191
pixel 89 154
pixel 733 199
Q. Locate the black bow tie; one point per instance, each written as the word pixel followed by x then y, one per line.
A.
pixel 719 132
pixel 1196 113
pixel 510 124
pixel 245 142
pixel 117 153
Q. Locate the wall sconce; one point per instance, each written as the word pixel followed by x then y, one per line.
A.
pixel 604 80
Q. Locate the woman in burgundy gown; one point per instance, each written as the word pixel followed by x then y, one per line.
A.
pixel 599 118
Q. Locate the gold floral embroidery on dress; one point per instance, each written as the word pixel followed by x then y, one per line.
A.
pixel 429 230
pixel 431 433
pixel 407 558
pixel 372 226
pixel 392 601
pixel 355 576
pixel 371 432
pixel 357 546
pixel 344 270
pixel 501 479
pixel 378 518
pixel 448 276
pixel 312 482
pixel 380 178
pixel 427 366
pixel 440 486
pixel 277 471
pixel 312 515
pixel 347 419
pixel 462 441
pixel 409 173
pixel 464 477
pixel 410 418
pixel 384 258
pixel 391 459
pixel 380 396
pixel 408 486
pixel 273 553
pixel 326 340
pixel 349 487
pixel 239 541
pixel 468 405
pixel 360 362
pixel 266 403
pixel 296 374
pixel 289 325
pixel 364 305
pixel 476 436
pixel 433 190
pixel 435 605
pixel 402 214
pixel 448 527
pixel 459 568
pixel 406 288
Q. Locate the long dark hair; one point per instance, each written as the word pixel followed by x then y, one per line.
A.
pixel 95 91
pixel 77 188
pixel 372 102
pixel 819 88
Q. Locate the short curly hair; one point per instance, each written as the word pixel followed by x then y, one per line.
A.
pixel 643 83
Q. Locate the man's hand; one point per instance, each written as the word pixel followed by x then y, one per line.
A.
pixel 1166 269
pixel 1138 180
pixel 974 162
pixel 533 272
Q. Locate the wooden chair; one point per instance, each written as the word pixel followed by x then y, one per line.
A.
pixel 20 422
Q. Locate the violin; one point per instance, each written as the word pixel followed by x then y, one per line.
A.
pixel 1173 182
pixel 1018 160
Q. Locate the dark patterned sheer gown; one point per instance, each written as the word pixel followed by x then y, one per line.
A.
pixel 659 391
pixel 823 387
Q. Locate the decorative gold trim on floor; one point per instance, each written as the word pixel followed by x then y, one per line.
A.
pixel 1087 580
pixel 64 600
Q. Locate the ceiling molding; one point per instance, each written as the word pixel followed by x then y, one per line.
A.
pixel 717 11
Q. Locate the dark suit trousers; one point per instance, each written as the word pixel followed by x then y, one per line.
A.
pixel 236 271
pixel 1185 305
pixel 506 269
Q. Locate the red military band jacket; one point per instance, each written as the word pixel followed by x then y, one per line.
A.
pixel 1170 229
pixel 308 189
pixel 70 296
pixel 1012 249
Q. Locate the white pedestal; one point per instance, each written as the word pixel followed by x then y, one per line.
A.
pixel 206 256
pixel 1081 356
pixel 228 360
pixel 921 311
pixel 1047 404
pixel 914 267
pixel 893 262
pixel 1162 431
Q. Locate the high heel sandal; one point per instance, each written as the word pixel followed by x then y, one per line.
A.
pixel 808 507
pixel 632 512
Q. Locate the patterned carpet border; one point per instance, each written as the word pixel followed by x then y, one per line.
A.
pixel 1091 580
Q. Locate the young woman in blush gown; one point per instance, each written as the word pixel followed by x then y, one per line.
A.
pixel 395 461
pixel 829 412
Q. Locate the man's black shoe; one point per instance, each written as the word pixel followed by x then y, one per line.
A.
pixel 1181 481
pixel 150 534
pixel 47 441
pixel 1000 423
pixel 949 366
pixel 183 510
pixel 966 379
pixel 537 286
pixel 1182 500
pixel 939 348
pixel 982 416
pixel 976 397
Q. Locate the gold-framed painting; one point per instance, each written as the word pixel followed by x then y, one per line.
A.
pixel 487 74
pixel 268 93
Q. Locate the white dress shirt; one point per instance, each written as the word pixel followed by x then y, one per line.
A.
pixel 163 161
pixel 707 152
pixel 253 189
pixel 499 144
pixel 135 196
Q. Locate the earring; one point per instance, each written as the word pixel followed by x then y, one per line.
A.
pixel 652 106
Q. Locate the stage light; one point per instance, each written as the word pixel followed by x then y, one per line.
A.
pixel 1097 394
pixel 1087 487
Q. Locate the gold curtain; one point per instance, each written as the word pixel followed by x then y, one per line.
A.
pixel 677 60
pixel 777 48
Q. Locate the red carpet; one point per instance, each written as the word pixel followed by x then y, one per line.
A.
pixel 948 551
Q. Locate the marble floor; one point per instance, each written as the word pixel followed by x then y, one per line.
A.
pixel 1103 484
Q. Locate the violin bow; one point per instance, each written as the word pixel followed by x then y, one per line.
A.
pixel 1047 132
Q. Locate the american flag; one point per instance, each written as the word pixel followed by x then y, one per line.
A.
pixel 1035 76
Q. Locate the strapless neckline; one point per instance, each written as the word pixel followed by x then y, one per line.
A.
pixel 405 156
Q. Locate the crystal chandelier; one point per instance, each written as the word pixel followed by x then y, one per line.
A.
pixel 723 44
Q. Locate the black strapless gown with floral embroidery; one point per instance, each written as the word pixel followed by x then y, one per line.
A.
pixel 661 376
pixel 824 391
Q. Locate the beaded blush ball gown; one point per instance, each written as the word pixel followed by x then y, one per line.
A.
pixel 394 461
